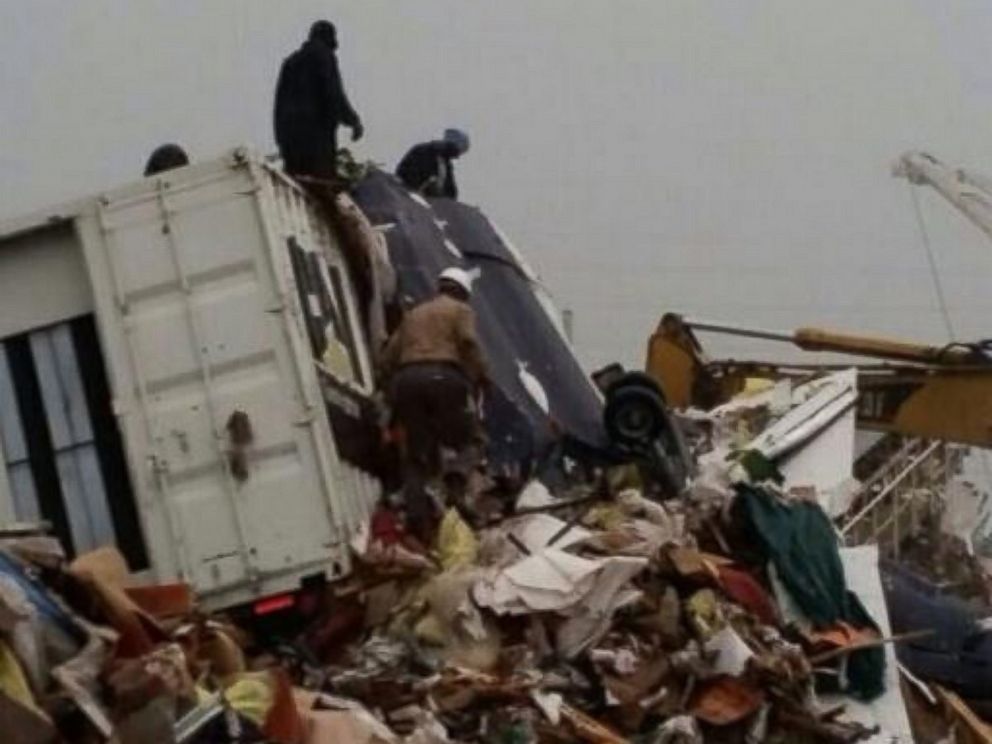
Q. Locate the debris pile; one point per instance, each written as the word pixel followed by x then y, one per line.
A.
pixel 597 615
pixel 728 614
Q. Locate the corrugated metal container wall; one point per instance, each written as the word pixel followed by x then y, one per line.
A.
pixel 194 280
pixel 300 226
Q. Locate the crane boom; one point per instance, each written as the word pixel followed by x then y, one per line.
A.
pixel 968 191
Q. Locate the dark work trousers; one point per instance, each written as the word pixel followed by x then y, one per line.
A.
pixel 433 404
pixel 310 157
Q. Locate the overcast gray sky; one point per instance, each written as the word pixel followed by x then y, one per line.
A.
pixel 726 158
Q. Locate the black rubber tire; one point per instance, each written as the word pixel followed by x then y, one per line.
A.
pixel 635 379
pixel 634 415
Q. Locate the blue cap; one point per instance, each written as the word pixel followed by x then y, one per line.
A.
pixel 458 138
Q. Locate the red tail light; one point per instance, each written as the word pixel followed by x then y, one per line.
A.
pixel 273 604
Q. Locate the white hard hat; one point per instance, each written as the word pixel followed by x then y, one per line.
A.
pixel 458 276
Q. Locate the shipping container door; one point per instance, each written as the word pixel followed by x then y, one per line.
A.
pixel 214 358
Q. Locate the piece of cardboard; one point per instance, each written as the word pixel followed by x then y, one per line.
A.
pixel 21 725
pixel 104 572
pixel 106 563
pixel 333 720
pixel 163 601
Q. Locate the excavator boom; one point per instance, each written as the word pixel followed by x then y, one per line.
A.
pixel 915 389
pixel 919 390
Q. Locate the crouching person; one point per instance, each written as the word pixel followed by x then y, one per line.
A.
pixel 435 369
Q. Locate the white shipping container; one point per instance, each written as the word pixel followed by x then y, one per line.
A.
pixel 192 280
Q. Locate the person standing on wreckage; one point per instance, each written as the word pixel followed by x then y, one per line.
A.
pixel 311 104
pixel 429 169
pixel 434 369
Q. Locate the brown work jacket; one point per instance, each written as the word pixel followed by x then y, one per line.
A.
pixel 439 330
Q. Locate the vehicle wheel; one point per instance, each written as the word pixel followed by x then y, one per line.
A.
pixel 634 415
pixel 635 379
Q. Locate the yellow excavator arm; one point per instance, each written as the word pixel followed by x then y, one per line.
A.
pixel 914 389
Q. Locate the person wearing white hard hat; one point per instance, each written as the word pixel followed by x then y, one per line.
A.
pixel 428 168
pixel 434 368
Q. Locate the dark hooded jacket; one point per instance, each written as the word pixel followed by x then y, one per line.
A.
pixel 310 105
pixel 428 168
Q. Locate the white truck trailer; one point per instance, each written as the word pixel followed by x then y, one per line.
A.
pixel 158 389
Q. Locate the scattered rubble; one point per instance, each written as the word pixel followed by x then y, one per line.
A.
pixel 596 615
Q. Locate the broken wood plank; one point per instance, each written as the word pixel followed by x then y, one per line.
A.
pixel 844 650
pixel 589 729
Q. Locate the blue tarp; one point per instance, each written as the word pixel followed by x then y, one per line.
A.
pixel 959 653
pixel 39 597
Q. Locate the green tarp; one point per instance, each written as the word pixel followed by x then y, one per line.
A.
pixel 799 539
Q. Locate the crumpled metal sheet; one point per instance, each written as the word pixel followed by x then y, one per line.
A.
pixel 530 362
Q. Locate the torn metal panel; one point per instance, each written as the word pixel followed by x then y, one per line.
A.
pixel 816 405
pixel 814 441
pixel 539 385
